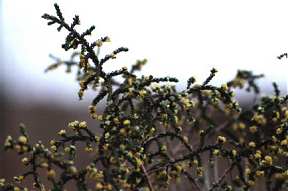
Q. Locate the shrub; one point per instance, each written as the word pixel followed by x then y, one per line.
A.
pixel 152 136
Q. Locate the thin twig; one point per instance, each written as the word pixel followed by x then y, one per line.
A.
pixel 216 184
pixel 192 180
pixel 147 177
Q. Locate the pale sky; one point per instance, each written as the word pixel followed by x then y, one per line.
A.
pixel 179 38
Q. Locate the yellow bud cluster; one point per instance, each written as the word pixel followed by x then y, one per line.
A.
pixel 216 152
pixel 187 102
pixel 239 126
pixel 2 182
pixel 148 130
pixel 234 153
pixel 83 125
pixel 199 171
pixel 260 119
pixel 253 129
pixel 126 122
pixel 142 93
pixel 257 155
pixel 279 130
pixel 8 141
pixel 25 161
pixel 22 140
pixel 221 139
pixel 268 160
pixel 92 111
pixel 73 124
pixel 99 186
pixel 89 149
pixel 259 173
pixel 224 87
pixel 18 178
pixel 51 174
pixel 247 171
pixel 252 144
pixel 72 170
pixel 251 183
pixel 62 132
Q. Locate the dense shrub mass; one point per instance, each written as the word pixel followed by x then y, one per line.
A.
pixel 154 137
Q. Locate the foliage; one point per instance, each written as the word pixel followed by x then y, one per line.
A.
pixel 152 136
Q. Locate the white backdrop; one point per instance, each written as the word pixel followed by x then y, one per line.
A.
pixel 179 38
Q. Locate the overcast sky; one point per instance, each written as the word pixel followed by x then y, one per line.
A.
pixel 179 38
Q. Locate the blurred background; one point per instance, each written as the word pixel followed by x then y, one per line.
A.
pixel 179 38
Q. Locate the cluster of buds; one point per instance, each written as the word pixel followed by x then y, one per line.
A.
pixel 152 136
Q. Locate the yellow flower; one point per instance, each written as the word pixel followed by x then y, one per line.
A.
pixel 109 187
pixel 247 171
pixel 176 119
pixel 73 124
pixel 22 139
pixel 18 178
pixel 62 132
pixel 2 182
pixel 126 122
pixel 107 135
pixel 199 171
pixel 221 139
pixel 251 183
pixel 99 186
pixel 257 155
pixel 163 148
pixel 201 132
pixel 8 141
pixel 142 93
pixel 88 149
pixel 268 160
pixel 72 170
pixel 123 131
pixel 52 142
pixel 216 152
pixel 224 87
pixel 83 125
pixel 259 173
pixel 253 129
pixel 195 162
pixel 25 160
pixel 241 126
pixel 138 162
pixel 234 153
pixel 53 148
pixel 51 174
pixel 279 130
pixel 44 165
pixel 67 149
pixel 92 109
pixel 252 144
pixel 129 154
pixel 260 119
pixel 284 142
pixel 178 168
